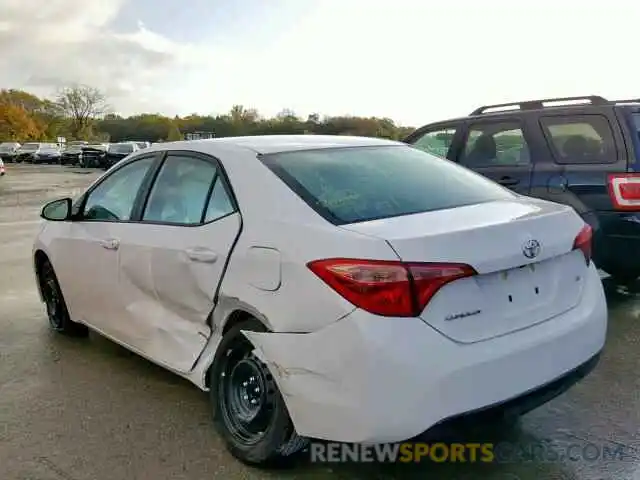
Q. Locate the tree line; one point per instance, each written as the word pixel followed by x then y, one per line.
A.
pixel 81 112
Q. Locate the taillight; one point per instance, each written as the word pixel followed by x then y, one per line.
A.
pixel 624 190
pixel 388 288
pixel 583 242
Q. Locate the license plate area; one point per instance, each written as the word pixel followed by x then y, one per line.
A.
pixel 520 286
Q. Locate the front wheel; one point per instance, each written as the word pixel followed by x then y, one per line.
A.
pixel 249 411
pixel 56 306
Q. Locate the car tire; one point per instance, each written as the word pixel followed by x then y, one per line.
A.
pixel 248 410
pixel 56 306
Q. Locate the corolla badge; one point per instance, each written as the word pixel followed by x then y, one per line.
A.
pixel 531 248
pixel 458 316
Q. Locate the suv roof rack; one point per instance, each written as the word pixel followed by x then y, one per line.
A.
pixel 626 102
pixel 538 104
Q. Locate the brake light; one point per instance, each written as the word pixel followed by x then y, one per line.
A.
pixel 624 190
pixel 388 288
pixel 583 242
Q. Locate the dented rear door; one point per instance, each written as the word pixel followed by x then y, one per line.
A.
pixel 172 262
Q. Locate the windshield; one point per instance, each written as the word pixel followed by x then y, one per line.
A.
pixel 124 148
pixel 30 147
pixel 357 184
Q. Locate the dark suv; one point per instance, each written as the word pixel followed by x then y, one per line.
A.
pixel 580 151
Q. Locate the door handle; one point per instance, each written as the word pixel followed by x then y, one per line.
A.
pixel 204 255
pixel 110 244
pixel 508 181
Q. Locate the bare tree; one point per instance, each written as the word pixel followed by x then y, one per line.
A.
pixel 81 104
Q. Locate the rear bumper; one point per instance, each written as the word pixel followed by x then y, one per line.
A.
pixel 521 404
pixel 367 379
pixel 616 239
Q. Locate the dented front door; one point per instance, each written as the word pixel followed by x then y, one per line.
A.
pixel 168 279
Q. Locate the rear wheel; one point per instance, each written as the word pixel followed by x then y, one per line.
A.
pixel 56 307
pixel 249 412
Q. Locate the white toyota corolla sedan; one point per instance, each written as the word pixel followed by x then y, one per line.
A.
pixel 338 288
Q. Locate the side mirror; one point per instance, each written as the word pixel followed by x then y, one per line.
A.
pixel 57 211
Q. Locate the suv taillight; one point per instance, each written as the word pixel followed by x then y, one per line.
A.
pixel 583 242
pixel 624 190
pixel 388 288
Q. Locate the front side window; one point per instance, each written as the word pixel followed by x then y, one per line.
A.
pixel 357 184
pixel 112 200
pixel 495 144
pixel 180 192
pixel 436 142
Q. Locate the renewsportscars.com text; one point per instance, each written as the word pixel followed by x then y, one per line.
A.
pixel 503 452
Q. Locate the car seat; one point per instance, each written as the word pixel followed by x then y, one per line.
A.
pixel 484 151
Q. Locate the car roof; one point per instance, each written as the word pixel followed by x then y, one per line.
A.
pixel 266 144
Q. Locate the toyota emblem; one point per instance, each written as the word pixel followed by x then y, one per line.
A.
pixel 531 249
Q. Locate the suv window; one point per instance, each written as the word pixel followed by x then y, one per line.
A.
pixel 112 200
pixel 358 184
pixel 580 139
pixel 437 142
pixel 180 193
pixel 495 144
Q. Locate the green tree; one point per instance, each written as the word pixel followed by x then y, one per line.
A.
pixel 174 133
pixel 80 112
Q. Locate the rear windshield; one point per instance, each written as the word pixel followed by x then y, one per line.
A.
pixel 357 184
pixel 30 146
pixel 123 148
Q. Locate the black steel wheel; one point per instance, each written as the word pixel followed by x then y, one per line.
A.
pixel 249 411
pixel 56 307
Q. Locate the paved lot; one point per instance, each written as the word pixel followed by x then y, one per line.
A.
pixel 89 410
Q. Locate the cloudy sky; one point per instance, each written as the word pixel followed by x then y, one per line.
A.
pixel 412 60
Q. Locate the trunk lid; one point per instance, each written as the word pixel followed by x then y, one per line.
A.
pixel 511 290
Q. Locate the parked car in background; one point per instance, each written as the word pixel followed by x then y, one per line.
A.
pixel 320 305
pixel 580 151
pixel 72 154
pixel 117 151
pixel 49 153
pixel 38 152
pixel 8 151
pixel 93 155
pixel 26 151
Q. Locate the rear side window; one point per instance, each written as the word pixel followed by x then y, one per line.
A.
pixel 180 192
pixel 580 139
pixel 495 144
pixel 357 184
